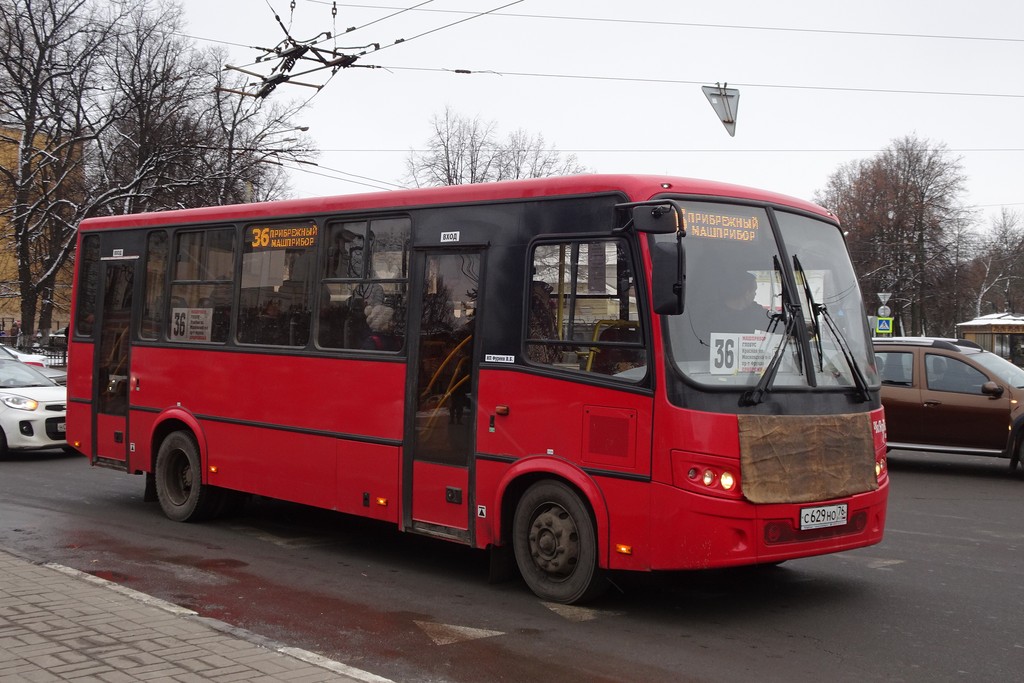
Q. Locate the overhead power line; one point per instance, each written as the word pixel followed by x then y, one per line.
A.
pixel 690 24
pixel 674 81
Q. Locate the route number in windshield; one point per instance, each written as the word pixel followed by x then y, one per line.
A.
pixel 733 354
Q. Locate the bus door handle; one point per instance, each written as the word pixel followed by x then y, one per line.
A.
pixel 498 410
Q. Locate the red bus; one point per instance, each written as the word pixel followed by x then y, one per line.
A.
pixel 586 374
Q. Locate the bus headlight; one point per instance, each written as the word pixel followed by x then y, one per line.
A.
pixel 709 477
pixel 707 474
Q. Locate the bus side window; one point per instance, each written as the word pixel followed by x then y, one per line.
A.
pixel 153 298
pixel 364 285
pixel 88 285
pixel 582 314
pixel 203 263
pixel 278 268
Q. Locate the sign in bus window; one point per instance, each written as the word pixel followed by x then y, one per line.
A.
pixel 199 308
pixel 278 268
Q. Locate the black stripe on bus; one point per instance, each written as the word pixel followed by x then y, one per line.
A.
pixel 592 471
pixel 359 438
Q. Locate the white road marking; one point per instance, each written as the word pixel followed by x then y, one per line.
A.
pixel 447 634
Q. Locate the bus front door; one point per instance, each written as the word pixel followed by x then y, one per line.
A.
pixel 111 370
pixel 436 472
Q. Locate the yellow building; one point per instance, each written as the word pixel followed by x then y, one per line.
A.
pixel 10 285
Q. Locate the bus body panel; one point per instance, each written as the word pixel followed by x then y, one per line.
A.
pixel 593 427
pixel 80 401
pixel 276 433
pixel 729 538
pixel 442 495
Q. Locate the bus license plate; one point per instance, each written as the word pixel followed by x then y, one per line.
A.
pixel 823 516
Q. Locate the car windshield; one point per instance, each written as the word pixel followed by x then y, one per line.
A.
pixel 736 321
pixel 14 374
pixel 1001 368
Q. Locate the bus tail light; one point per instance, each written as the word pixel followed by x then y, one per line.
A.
pixel 881 467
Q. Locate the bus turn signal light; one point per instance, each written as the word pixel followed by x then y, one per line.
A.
pixel 623 549
pixel 382 501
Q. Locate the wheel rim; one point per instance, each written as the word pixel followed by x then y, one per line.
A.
pixel 554 541
pixel 179 478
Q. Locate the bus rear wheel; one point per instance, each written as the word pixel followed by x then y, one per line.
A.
pixel 556 545
pixel 179 480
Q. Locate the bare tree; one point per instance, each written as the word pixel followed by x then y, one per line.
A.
pixel 53 51
pixel 250 141
pixel 463 150
pixel 906 227
pixel 105 109
pixel 997 270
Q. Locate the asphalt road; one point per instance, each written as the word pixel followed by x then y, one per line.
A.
pixel 940 599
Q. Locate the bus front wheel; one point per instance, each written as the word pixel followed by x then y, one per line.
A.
pixel 179 480
pixel 556 545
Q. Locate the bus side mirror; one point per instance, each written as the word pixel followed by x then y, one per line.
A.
pixel 657 219
pixel 668 277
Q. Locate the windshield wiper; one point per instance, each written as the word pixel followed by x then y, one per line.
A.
pixel 821 311
pixel 815 310
pixel 754 396
pixel 844 346
pixel 764 385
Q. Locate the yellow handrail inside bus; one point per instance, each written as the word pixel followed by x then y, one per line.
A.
pixel 458 347
pixel 597 333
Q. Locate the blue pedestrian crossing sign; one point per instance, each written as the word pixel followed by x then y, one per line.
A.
pixel 883 326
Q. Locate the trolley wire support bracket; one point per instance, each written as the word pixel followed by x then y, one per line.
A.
pixel 290 54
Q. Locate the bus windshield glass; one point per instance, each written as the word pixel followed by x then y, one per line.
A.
pixel 740 316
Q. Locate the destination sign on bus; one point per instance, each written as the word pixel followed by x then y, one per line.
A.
pixel 722 226
pixel 298 236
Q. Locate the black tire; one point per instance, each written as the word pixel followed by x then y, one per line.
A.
pixel 555 544
pixel 3 445
pixel 179 480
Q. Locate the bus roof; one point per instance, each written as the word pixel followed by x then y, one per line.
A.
pixel 636 187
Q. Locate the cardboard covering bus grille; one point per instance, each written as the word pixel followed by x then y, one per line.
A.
pixel 798 459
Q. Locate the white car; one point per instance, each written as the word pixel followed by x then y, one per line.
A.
pixel 32 409
pixel 25 357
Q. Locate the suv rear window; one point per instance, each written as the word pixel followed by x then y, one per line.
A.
pixel 895 367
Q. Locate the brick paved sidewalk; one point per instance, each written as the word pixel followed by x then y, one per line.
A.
pixel 59 624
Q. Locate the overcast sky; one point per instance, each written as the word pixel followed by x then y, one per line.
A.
pixel 618 83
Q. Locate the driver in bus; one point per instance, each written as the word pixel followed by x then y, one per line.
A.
pixel 737 311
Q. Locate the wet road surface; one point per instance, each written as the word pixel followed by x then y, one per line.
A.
pixel 939 599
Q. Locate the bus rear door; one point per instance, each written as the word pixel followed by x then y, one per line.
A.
pixel 111 371
pixel 442 407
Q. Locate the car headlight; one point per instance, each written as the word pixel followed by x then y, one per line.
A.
pixel 19 402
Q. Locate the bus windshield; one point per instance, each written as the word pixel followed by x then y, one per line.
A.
pixel 741 314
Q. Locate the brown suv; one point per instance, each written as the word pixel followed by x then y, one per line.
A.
pixel 950 395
